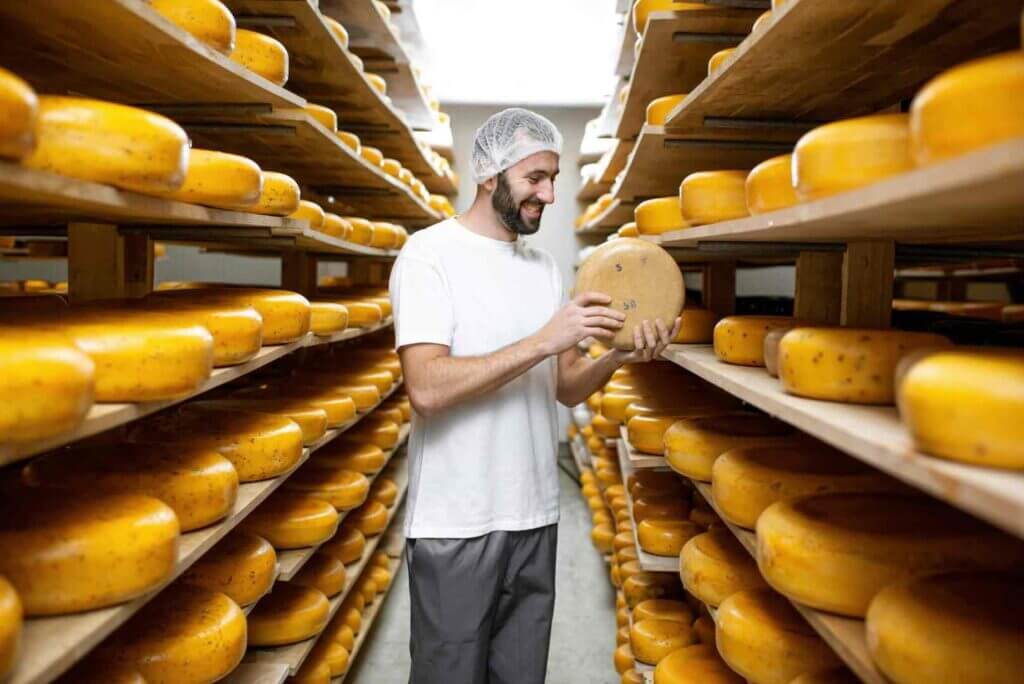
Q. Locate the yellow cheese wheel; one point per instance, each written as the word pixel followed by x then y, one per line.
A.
pixel 621 539
pixel 697 326
pixel 260 446
pixel 740 339
pixel 385 235
pixel 348 545
pixel 642 585
pixel 312 671
pixel 381 577
pixel 621 635
pixel 262 55
pixel 186 634
pixel 371 518
pixel 391 167
pixel 659 108
pixel 385 491
pixel 324 115
pixel 850 365
pixel 361 314
pixel 372 155
pixel 286 315
pixel 762 22
pixel 10 626
pixel 668 507
pixel 663 609
pixel 965 405
pixel 713 196
pixel 631 676
pixel 647 432
pixel 332 653
pixel 659 215
pixel 694 665
pixel 850 154
pixel 769 185
pixel 342 634
pixel 385 412
pixel 335 226
pixel 654 483
pixel 368 588
pixel 343 489
pixel 312 420
pixel 339 31
pixel 46 384
pixel 109 143
pixel 199 484
pixel 643 8
pixel 381 433
pixel 704 627
pixel 969 107
pixel 665 537
pixel 350 616
pixel 405 175
pixel 378 83
pixel 960 627
pixel 327 317
pixel 613 404
pixel 339 407
pixel 289 614
pixel 746 481
pixel 603 427
pixel 292 521
pixel 69 554
pixel 279 196
pixel 653 639
pixel 763 639
pixel 693 444
pixel 623 658
pixel 242 565
pixel 836 551
pixel 713 566
pixel 718 59
pixel 628 230
pixel 19 108
pixel 324 573
pixel 603 537
pixel 596 503
pixel 362 458
pixel 621 618
pixel 310 212
pixel 208 20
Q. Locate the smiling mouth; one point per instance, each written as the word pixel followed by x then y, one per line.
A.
pixel 533 210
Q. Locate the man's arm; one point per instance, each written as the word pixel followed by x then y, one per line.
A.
pixel 437 381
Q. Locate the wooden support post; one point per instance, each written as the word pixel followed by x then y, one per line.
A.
pixel 868 273
pixel 719 288
pixel 103 264
pixel 366 272
pixel 299 272
pixel 819 287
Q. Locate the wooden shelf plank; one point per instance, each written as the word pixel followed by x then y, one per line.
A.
pixel 974 198
pixel 608 119
pixel 370 617
pixel 822 61
pixel 659 162
pixel 608 221
pixel 369 33
pixel 647 561
pixel 872 434
pixel 638 460
pixel 614 161
pixel 674 54
pixel 123 50
pixel 592 189
pixel 845 635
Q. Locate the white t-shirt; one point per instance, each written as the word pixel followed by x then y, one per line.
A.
pixel 490 463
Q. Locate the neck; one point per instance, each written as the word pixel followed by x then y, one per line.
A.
pixel 481 219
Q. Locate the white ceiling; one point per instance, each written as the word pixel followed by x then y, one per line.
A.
pixel 529 52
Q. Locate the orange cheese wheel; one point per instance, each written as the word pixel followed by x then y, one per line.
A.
pixel 262 55
pixel 371 518
pixel 289 614
pixel 653 639
pixel 740 339
pixel 769 185
pixel 343 489
pixel 713 566
pixel 242 566
pixel 347 545
pixel 697 326
pixel 292 521
pixel 693 444
pixel 19 108
pixel 322 572
pixel 662 537
pixel 643 585
pixel 663 609
pixel 10 626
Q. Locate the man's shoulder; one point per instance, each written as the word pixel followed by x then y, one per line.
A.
pixel 425 244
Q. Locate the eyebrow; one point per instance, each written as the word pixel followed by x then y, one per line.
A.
pixel 542 172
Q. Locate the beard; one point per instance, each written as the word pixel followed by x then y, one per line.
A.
pixel 508 209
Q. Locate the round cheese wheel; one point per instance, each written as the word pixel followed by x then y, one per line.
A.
pixel 713 566
pixel 10 626
pixel 623 658
pixel 962 627
pixel 697 326
pixel 378 83
pixel 324 115
pixel 694 665
pixel 966 406
pixel 643 585
pixel 968 107
pixel 849 154
pixel 368 588
pixel 371 518
pixel 333 654
pixel 769 185
pixel 658 109
pixel 342 634
pixel 103 142
pixel 836 551
pixel 621 618
pixel 385 235
pixel 850 365
pixel 262 55
pixel 837 675
pixel 596 503
pixel 762 22
pixel 718 59
pixel 665 537
pixel 350 616
pixel 348 545
pixel 385 491
pixel 372 155
pixel 746 481
pixel 260 446
pixel 292 521
pixel 69 554
pixel 322 572
pixel 740 339
pixel 288 614
pixel 603 537
pixel 208 20
pixel 628 230
pixel 663 609
pixel 337 30
pixel 361 314
pixel 218 178
pixel 613 404
pixel 186 634
pixel 46 385
pixel 704 518
pixel 199 484
pixel 365 397
pixel 339 408
pixel 372 430
pixel 343 489
pixel 391 167
pixel 763 639
pixel 311 212
pixel 312 420
pixel 653 639
pixel 622 540
pixel 626 555
pixel 647 432
pixel 603 427
pixel 713 196
pixel 659 215
pixel 242 565
pixel 19 108
pixel 286 315
pixel 704 627
pixel 641 278
pixel 655 483
pixel 643 8
pixel 336 227
pixel 693 444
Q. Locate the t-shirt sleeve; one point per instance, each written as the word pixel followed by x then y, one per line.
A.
pixel 422 303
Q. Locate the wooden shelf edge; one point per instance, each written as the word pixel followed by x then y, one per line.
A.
pixel 647 561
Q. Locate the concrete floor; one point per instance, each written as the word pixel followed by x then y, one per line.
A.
pixel 583 635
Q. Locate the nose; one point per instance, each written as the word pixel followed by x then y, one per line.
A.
pixel 547 193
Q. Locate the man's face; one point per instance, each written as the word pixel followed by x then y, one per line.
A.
pixel 521 191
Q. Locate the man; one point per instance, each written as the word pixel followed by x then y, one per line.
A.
pixel 486 349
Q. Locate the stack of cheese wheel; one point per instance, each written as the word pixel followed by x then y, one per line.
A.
pixel 289 614
pixel 693 444
pixel 740 339
pixel 713 566
pixel 242 565
pixel 713 196
pixel 834 552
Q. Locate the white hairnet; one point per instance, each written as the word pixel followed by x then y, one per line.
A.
pixel 509 137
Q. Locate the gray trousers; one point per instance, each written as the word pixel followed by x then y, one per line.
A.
pixel 481 607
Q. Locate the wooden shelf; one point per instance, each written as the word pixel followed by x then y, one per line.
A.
pixel 608 119
pixel 822 61
pixel 660 162
pixel 872 434
pixel 123 50
pixel 627 41
pixel 308 240
pixel 974 198
pixel 647 561
pixel 53 644
pixel 610 220
pixel 592 189
pixel 614 161
pixel 637 460
pixel 674 54
pixel 370 617
pixel 845 635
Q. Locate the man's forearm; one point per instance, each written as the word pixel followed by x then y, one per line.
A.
pixel 585 376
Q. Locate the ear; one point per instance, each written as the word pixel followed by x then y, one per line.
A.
pixel 490 184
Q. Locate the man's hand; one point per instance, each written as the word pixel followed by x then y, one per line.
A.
pixel 587 315
pixel 649 342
